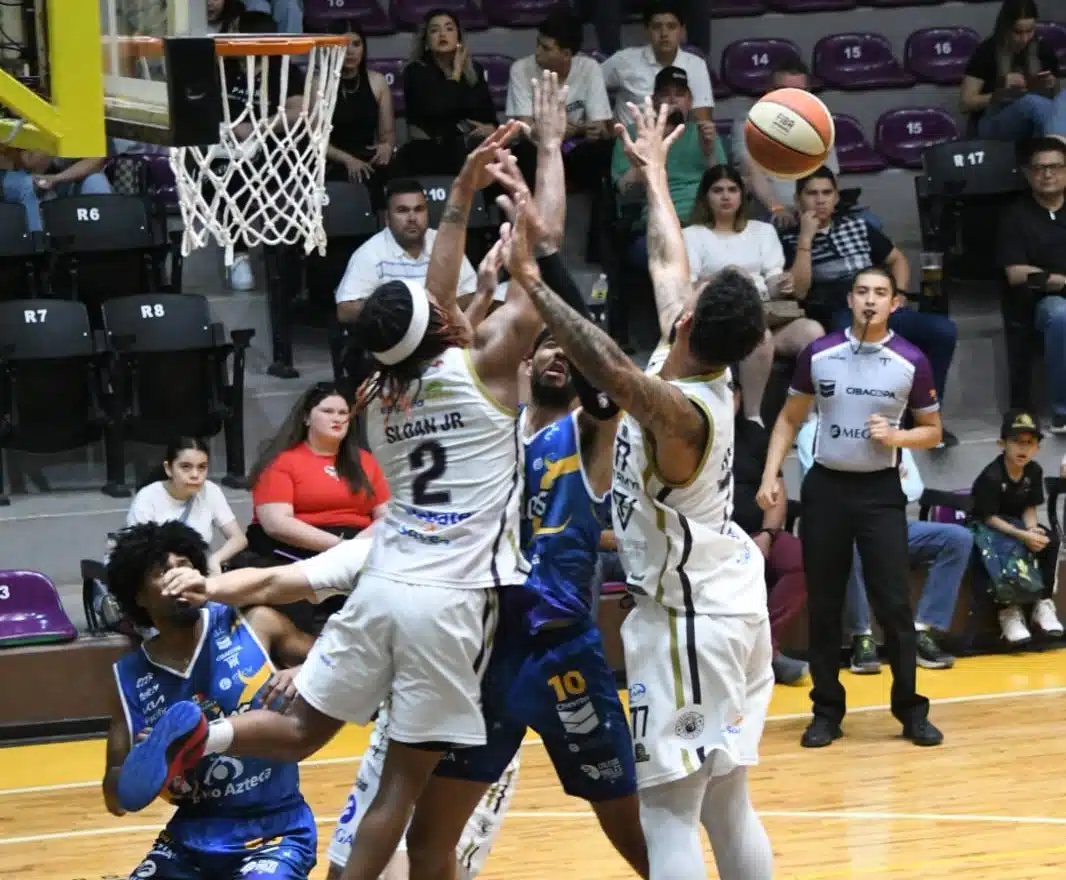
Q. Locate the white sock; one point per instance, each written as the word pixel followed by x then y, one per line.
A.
pixel 219 737
pixel 741 846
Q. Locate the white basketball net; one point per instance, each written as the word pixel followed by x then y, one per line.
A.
pixel 264 181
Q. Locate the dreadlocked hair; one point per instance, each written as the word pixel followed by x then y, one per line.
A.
pixel 382 323
pixel 143 549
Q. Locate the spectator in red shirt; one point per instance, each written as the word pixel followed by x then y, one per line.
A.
pixel 312 486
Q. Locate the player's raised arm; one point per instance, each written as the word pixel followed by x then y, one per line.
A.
pixel 446 258
pixel 667 255
pixel 650 400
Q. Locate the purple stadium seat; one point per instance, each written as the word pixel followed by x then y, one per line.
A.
pixel 392 70
pixel 939 55
pixel 520 13
pixel 904 134
pixel 1054 34
pixel 737 8
pixel 498 73
pixel 720 90
pixel 854 152
pixel 368 13
pixel 811 5
pixel 746 64
pixel 859 61
pixel 408 14
pixel 161 178
pixel 30 611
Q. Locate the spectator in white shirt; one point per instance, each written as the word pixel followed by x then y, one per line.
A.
pixel 721 235
pixel 587 148
pixel 184 493
pixel 400 252
pixel 632 72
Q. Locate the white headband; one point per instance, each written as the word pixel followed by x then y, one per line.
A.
pixel 416 330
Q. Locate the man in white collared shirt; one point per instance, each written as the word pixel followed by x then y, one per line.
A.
pixel 632 72
pixel 400 252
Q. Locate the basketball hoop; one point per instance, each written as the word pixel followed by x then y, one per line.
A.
pixel 263 181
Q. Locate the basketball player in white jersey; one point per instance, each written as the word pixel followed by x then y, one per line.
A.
pixel 697 642
pixel 336 572
pixel 441 422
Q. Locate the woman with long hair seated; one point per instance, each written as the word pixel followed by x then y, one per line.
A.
pixel 313 486
pixel 721 235
pixel 179 490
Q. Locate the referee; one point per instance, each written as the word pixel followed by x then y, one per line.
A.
pixel 862 381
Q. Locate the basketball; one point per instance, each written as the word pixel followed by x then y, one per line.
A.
pixel 789 133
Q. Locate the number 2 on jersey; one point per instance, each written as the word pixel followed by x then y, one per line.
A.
pixel 431 459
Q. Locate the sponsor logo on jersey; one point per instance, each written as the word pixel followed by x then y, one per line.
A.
pixel 434 389
pixel 422 536
pixel 689 725
pixel 734 727
pixel 637 692
pixel 624 506
pixel 578 716
pixel 827 387
pixel 838 431
pixel 434 518
pixel 608 771
pixel 640 754
pixel 870 392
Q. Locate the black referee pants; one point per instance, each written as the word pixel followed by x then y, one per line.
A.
pixel 838 511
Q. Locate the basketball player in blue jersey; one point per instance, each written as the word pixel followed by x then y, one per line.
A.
pixel 697 641
pixel 236 819
pixel 441 414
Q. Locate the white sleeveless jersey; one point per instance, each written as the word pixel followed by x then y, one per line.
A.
pixel 453 462
pixel 679 544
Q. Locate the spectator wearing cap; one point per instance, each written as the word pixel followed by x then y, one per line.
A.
pixel 1031 248
pixel 632 72
pixel 945 548
pixel 1018 554
pixel 862 382
pixel 697 149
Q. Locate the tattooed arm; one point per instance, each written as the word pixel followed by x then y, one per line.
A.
pixel 445 261
pixel 680 430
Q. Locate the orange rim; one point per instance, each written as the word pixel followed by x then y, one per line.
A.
pixel 239 46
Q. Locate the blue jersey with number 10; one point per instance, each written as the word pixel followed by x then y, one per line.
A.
pixel 561 525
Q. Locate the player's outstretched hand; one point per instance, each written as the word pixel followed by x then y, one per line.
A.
pixel 475 169
pixel 652 143
pixel 506 173
pixel 187 584
pixel 549 110
pixel 522 262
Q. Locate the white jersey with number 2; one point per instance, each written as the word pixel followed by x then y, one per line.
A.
pixel 678 543
pixel 453 463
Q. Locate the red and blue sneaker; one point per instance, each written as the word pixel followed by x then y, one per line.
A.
pixel 174 746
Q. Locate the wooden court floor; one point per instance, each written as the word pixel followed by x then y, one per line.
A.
pixel 990 803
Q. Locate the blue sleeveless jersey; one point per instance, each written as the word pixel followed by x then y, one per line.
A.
pixel 225 677
pixel 561 525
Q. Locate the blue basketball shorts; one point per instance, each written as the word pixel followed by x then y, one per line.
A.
pixel 559 684
pixel 289 854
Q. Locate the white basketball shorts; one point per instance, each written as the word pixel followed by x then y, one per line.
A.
pixel 482 828
pixel 426 646
pixel 697 684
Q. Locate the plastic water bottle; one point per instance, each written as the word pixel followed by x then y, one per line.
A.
pixel 598 299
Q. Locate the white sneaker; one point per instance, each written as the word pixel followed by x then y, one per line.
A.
pixel 1013 625
pixel 1045 617
pixel 240 273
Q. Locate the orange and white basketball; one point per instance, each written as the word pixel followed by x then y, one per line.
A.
pixel 789 133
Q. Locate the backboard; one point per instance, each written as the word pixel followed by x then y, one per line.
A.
pixel 60 97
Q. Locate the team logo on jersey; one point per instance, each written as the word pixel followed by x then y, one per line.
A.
pixel 223 769
pixel 253 684
pixel 331 471
pixel 145 869
pixel 689 725
pixel 637 692
pixel 623 508
pixel 827 387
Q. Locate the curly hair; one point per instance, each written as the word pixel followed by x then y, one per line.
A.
pixel 382 323
pixel 728 321
pixel 142 550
